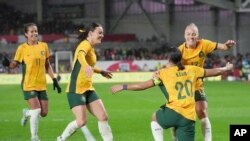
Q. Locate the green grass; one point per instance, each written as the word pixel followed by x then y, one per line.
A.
pixel 129 112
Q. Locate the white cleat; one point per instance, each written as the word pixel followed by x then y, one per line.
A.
pixel 35 139
pixel 24 118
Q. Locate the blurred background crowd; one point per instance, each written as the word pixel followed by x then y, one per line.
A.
pixel 142 45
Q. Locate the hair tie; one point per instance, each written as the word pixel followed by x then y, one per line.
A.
pixel 82 30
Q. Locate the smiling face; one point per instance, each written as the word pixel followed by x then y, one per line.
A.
pixel 95 37
pixel 31 33
pixel 191 35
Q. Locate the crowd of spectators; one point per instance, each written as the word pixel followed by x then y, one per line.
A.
pixel 12 20
pixel 240 61
pixel 131 54
pixel 15 20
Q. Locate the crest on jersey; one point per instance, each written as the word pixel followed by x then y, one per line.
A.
pixel 201 54
pixel 42 53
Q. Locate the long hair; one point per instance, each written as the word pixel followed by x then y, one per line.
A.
pixel 84 32
pixel 174 56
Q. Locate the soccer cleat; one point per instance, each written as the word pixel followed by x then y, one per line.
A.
pixel 35 139
pixel 24 118
pixel 60 139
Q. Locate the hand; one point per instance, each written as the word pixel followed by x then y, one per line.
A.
pixel 56 85
pixel 230 43
pixel 229 66
pixel 88 71
pixel 106 74
pixel 156 74
pixel 6 62
pixel 116 89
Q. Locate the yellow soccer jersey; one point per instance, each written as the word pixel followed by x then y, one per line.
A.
pixel 79 82
pixel 33 59
pixel 196 56
pixel 180 89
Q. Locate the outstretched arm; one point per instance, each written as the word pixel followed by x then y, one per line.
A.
pixel 227 45
pixel 133 87
pixel 218 71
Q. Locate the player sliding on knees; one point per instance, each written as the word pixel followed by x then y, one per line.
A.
pixel 179 84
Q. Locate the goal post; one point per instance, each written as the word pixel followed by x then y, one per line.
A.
pixel 63 61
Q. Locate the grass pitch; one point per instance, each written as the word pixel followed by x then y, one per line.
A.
pixel 129 112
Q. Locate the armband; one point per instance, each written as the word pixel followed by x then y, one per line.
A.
pixel 156 81
pixel 125 87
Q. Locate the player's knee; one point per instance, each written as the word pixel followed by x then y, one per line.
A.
pixel 201 113
pixel 154 117
pixel 81 122
pixel 103 117
pixel 44 113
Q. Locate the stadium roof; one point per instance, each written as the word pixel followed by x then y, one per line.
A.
pixel 234 5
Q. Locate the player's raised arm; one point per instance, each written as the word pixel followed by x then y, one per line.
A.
pixel 134 87
pixel 219 71
pixel 227 45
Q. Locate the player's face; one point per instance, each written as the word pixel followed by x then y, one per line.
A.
pixel 32 34
pixel 191 36
pixel 96 35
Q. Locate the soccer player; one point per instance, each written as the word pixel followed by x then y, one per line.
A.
pixel 80 91
pixel 194 52
pixel 179 91
pixel 33 55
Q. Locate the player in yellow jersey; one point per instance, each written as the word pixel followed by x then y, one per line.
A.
pixel 179 90
pixel 33 55
pixel 80 91
pixel 194 52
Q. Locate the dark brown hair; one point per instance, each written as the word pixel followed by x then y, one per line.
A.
pixel 174 56
pixel 85 31
pixel 27 25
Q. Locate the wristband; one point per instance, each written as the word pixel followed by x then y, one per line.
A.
pixel 125 87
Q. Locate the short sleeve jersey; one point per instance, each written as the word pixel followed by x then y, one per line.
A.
pixel 79 81
pixel 33 60
pixel 180 89
pixel 196 56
